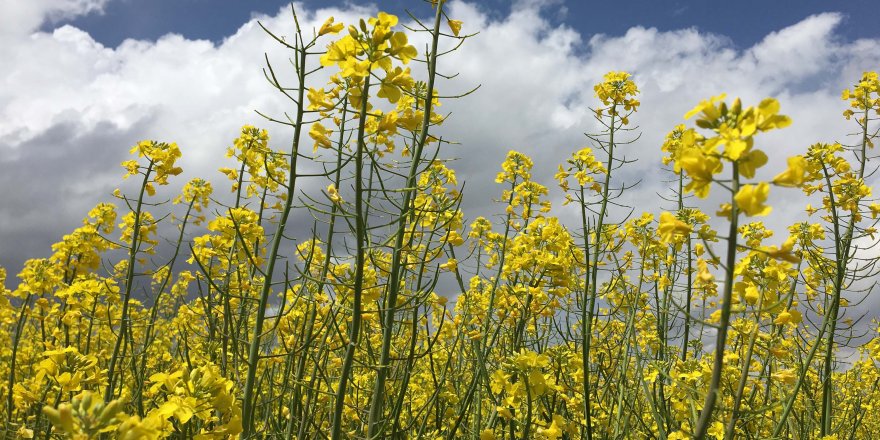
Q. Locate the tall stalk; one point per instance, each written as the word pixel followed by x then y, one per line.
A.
pixel 124 323
pixel 360 260
pixel 377 401
pixel 723 326
pixel 248 401
pixel 842 253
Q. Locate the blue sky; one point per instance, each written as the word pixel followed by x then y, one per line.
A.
pixel 744 21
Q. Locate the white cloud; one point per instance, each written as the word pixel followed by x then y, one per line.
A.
pixel 23 16
pixel 70 107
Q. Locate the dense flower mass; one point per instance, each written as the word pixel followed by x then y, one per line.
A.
pixel 382 312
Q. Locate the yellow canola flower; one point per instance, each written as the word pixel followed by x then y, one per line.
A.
pixel 788 317
pixel 863 96
pixel 749 163
pixel 450 265
pixel 700 168
pixel 795 175
pixel 554 431
pixel 162 157
pixel 707 107
pixel 320 134
pixel 737 141
pixel 617 88
pixel 358 52
pixel 679 435
pixel 716 430
pixel 394 80
pixel 384 19
pixel 787 377
pixel 340 50
pixel 355 67
pixel 785 252
pixel 455 26
pixel 319 99
pixel 751 294
pixel 329 27
pixel 333 194
pixel 504 412
pixel 401 49
pixel 724 210
pixel 498 381
pixel 670 227
pixel 766 117
pixel 750 199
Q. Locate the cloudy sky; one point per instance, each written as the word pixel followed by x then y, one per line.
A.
pixel 83 80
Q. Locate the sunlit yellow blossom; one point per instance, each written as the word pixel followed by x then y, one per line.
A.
pixel 750 199
pixel 787 377
pixel 450 265
pixel 670 226
pixel 333 194
pixel 454 26
pixel 792 316
pixel 320 134
pixel 707 107
pixel 329 27
pixel 794 175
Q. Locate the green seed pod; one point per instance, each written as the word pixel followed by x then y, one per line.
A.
pixel 109 412
pixel 66 417
pixel 52 414
pixel 737 106
pixel 86 402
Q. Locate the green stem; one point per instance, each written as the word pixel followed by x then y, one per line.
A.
pixel 377 401
pixel 248 403
pixel 129 281
pixel 721 341
pixel 360 261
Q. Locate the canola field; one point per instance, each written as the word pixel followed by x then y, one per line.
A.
pixel 194 317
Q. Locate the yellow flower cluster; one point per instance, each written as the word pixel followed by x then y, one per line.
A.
pixel 161 158
pixel 734 129
pixel 361 304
